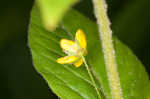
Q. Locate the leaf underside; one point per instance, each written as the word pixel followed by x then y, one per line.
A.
pixel 69 82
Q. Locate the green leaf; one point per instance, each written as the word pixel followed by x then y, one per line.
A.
pixel 53 10
pixel 69 82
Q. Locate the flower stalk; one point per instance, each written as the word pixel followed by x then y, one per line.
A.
pixel 91 77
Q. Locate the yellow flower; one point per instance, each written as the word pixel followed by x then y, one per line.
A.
pixel 74 49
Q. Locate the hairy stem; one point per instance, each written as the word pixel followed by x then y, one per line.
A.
pixel 91 77
pixel 100 9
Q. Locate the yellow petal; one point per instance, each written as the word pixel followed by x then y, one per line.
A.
pixel 81 39
pixel 78 63
pixel 68 45
pixel 67 59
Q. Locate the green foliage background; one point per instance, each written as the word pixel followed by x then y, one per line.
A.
pixel 19 80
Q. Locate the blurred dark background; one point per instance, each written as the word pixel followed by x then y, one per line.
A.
pixel 18 78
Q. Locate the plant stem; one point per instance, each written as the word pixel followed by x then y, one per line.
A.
pixel 105 32
pixel 91 77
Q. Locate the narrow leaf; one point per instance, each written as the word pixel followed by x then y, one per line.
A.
pixel 53 10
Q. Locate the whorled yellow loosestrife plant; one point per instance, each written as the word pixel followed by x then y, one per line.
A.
pixel 76 50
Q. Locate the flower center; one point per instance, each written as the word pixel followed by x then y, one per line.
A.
pixel 81 52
